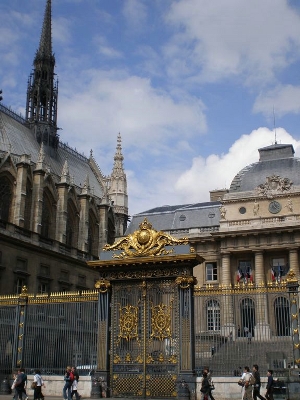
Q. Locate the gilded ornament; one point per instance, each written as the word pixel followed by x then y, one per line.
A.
pixel 149 359
pixel 297 345
pixel 145 242
pixel 161 357
pixel 297 361
pixel 117 359
pixel 102 285
pixel 24 291
pixel 173 359
pixel 186 281
pixel 128 322
pixel 139 359
pixel 19 349
pixel 296 331
pixel 161 321
pixel 128 357
pixel 294 316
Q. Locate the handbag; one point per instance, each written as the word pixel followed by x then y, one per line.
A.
pixel 241 382
pixel 33 385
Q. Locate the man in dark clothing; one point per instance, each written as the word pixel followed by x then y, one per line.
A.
pixel 20 383
pixel 269 393
pixel 257 385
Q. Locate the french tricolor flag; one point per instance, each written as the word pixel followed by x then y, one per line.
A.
pixel 273 275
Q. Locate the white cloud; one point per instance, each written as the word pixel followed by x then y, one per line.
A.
pixel 105 103
pixel 283 99
pixel 232 38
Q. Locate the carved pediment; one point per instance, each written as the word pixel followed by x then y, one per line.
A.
pixel 274 185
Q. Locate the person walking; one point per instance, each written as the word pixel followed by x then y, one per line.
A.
pixel 247 389
pixel 206 370
pixel 204 387
pixel 75 384
pixel 257 384
pixel 67 389
pixel 37 391
pixel 269 392
pixel 20 384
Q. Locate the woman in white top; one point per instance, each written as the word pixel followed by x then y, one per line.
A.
pixel 37 394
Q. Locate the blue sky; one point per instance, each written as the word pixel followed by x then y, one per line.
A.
pixel 191 85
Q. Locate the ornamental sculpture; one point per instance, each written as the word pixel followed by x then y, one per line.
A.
pixel 274 184
pixel 145 242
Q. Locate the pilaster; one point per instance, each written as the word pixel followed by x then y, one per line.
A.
pixel 20 198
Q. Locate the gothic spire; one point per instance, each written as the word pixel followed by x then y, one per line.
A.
pixel 45 47
pixel 42 90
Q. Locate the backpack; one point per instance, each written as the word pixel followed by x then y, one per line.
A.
pixel 71 376
pixel 252 380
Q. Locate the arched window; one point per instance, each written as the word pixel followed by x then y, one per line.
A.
pixel 282 316
pixel 5 198
pixel 247 309
pixel 72 225
pixel 48 217
pixel 93 235
pixel 213 315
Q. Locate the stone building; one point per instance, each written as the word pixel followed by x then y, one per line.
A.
pixel 249 237
pixel 57 209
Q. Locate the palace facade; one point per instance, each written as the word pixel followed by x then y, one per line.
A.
pixel 249 237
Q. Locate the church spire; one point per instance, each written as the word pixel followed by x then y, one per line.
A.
pixel 42 90
pixel 118 190
pixel 118 168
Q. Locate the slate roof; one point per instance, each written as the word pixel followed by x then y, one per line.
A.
pixel 18 139
pixel 279 160
pixel 180 217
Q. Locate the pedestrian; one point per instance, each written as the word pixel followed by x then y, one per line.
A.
pixel 246 330
pixel 75 384
pixel 67 389
pixel 249 337
pixel 204 387
pixel 210 381
pixel 239 331
pixel 269 392
pixel 20 384
pixel 230 336
pixel 37 391
pixel 247 388
pixel 257 384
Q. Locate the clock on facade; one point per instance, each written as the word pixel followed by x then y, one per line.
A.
pixel 274 207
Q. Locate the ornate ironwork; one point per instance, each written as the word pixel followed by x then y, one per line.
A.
pixel 161 321
pixel 102 285
pixel 145 242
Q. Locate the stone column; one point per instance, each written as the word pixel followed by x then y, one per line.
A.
pixel 262 327
pixel 259 269
pixel 227 301
pixel 294 262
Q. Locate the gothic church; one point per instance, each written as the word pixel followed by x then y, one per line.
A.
pixel 57 209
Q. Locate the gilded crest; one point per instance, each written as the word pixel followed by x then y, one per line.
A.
pixel 145 242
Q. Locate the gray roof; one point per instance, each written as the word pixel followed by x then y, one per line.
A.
pixel 16 138
pixel 277 159
pixel 180 217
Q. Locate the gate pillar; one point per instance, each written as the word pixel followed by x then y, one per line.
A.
pixel 146 331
